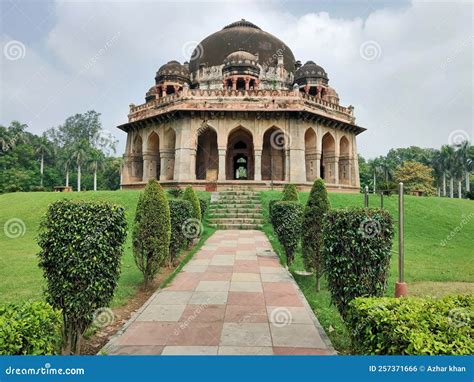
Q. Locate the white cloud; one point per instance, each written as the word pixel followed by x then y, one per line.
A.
pixel 105 55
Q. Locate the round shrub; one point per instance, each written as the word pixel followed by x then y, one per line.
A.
pixel 287 218
pixel 31 328
pixel 356 254
pixel 151 231
pixel 190 194
pixel 175 192
pixel 412 326
pixel 180 212
pixel 290 193
pixel 81 245
pixel 312 229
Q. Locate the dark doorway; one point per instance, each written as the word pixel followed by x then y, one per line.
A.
pixel 241 167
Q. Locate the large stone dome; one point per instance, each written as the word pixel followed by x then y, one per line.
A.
pixel 241 36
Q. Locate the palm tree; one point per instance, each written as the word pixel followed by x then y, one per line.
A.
pixel 446 155
pixel 42 148
pixel 79 154
pixel 466 157
pixel 65 164
pixel 436 163
pixel 458 170
pixel 97 159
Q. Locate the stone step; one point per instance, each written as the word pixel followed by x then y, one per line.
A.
pixel 248 215
pixel 236 192
pixel 236 226
pixel 237 200
pixel 234 205
pixel 232 210
pixel 224 221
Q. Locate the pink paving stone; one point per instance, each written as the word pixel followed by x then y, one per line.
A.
pixel 214 276
pixel 246 266
pixel 268 262
pixel 185 282
pixel 245 298
pixel 137 350
pixel 300 351
pixel 282 299
pixel 203 313
pixel 199 256
pixel 279 287
pixel 245 313
pixel 147 333
pixel 196 334
pixel 220 269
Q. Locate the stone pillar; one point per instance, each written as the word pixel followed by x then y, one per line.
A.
pixel 297 166
pixel 146 166
pixel 258 165
pixel 336 170
pixel 222 169
pixel 247 83
pixel 234 83
pixel 318 165
pixel 287 165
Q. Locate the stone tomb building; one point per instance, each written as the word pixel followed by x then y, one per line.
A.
pixel 242 112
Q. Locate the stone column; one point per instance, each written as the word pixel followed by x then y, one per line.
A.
pixel 297 166
pixel 318 165
pixel 234 83
pixel 336 170
pixel 222 169
pixel 287 165
pixel 258 165
pixel 146 167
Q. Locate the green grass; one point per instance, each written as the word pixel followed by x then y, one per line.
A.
pixel 20 277
pixel 428 221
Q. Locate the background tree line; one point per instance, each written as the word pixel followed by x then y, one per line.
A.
pixel 78 153
pixel 444 172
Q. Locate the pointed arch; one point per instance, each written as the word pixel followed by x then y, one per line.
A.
pixel 136 170
pixel 344 161
pixel 328 158
pixel 310 140
pixel 207 154
pixel 240 162
pixel 152 163
pixel 168 153
pixel 273 154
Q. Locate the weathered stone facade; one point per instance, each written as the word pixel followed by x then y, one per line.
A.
pixel 242 122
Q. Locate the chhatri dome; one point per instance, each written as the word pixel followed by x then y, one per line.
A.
pixel 242 112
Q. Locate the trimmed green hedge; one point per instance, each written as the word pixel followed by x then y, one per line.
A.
pixel 81 246
pixel 31 328
pixel 412 326
pixel 203 204
pixel 356 254
pixel 152 231
pixel 180 212
pixel 286 222
pixel 290 193
pixel 190 194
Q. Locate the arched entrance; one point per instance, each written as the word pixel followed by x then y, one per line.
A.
pixel 207 155
pixel 152 157
pixel 240 155
pixel 273 154
pixel 344 162
pixel 328 158
pixel 310 154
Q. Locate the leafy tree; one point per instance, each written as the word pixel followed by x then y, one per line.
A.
pixel 286 220
pixel 151 231
pixel 416 176
pixel 312 229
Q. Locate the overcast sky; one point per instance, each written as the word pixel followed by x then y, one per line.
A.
pixel 405 66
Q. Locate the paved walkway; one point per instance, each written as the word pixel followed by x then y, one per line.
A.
pixel 233 297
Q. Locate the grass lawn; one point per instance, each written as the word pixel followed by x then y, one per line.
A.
pixel 20 277
pixel 430 266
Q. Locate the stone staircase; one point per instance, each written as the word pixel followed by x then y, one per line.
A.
pixel 235 209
